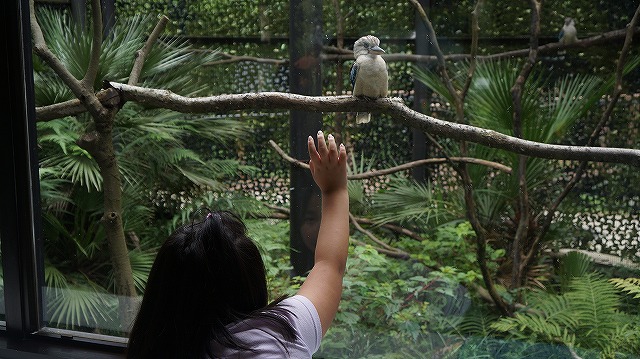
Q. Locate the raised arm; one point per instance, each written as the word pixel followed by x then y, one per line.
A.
pixel 323 286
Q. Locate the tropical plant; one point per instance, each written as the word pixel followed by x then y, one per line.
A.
pixel 157 152
pixel 549 109
pixel 587 316
pixel 628 285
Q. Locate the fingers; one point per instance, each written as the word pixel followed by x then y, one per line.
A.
pixel 342 155
pixel 322 145
pixel 313 153
pixel 326 150
pixel 333 148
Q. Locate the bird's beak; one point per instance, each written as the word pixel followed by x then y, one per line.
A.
pixel 376 50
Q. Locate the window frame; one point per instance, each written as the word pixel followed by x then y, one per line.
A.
pixel 22 334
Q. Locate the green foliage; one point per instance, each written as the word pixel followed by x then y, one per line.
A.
pixel 586 316
pixel 272 238
pixel 396 299
pixel 153 150
pixel 629 285
pixel 574 264
pixel 412 203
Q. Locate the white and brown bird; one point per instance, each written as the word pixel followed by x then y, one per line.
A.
pixel 568 34
pixel 369 75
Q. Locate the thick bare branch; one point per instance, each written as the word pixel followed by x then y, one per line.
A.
pixel 394 107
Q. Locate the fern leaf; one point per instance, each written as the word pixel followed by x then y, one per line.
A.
pixel 628 285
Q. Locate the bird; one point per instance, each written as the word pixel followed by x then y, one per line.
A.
pixel 369 76
pixel 568 34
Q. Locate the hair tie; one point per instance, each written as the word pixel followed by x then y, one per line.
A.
pixel 209 215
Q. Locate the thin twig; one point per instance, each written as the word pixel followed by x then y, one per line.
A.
pixel 402 167
pixel 141 54
pixel 523 212
pixel 89 78
pixel 392 227
pixel 228 58
pixel 398 252
pixel 475 33
pixel 388 253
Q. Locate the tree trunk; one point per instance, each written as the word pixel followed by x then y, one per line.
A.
pixel 99 144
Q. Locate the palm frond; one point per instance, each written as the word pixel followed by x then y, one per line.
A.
pixel 572 97
pixel 78 166
pixel 79 306
pixel 405 202
pixel 141 263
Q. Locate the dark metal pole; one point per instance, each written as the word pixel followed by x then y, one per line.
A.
pixel 79 12
pixel 108 16
pixel 421 98
pixel 305 77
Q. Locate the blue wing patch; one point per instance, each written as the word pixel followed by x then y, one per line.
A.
pixel 561 34
pixel 354 73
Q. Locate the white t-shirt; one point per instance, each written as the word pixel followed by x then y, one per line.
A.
pixel 267 341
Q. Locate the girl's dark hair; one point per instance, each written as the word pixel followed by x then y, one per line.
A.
pixel 206 275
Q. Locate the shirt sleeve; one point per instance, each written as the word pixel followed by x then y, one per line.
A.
pixel 306 320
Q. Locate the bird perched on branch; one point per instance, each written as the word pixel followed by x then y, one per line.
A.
pixel 369 72
pixel 568 34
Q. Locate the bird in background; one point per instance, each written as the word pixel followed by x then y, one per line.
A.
pixel 369 75
pixel 568 34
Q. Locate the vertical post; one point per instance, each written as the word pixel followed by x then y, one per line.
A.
pixel 108 16
pixel 79 12
pixel 421 98
pixel 305 45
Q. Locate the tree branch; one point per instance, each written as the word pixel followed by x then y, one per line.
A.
pixel 90 101
pixel 89 78
pixel 397 253
pixel 471 208
pixel 475 33
pixel 394 107
pixel 552 47
pixel 141 54
pixel 606 115
pixel 523 213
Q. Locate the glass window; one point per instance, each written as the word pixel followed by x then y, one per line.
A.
pixel 520 241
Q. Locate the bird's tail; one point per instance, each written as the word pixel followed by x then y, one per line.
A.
pixel 363 117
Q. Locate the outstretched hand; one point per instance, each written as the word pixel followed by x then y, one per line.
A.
pixel 328 163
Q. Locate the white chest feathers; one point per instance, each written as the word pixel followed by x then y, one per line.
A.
pixel 372 78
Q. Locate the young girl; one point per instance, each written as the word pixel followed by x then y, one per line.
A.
pixel 206 296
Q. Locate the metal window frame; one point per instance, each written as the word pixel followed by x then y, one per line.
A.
pixel 21 241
